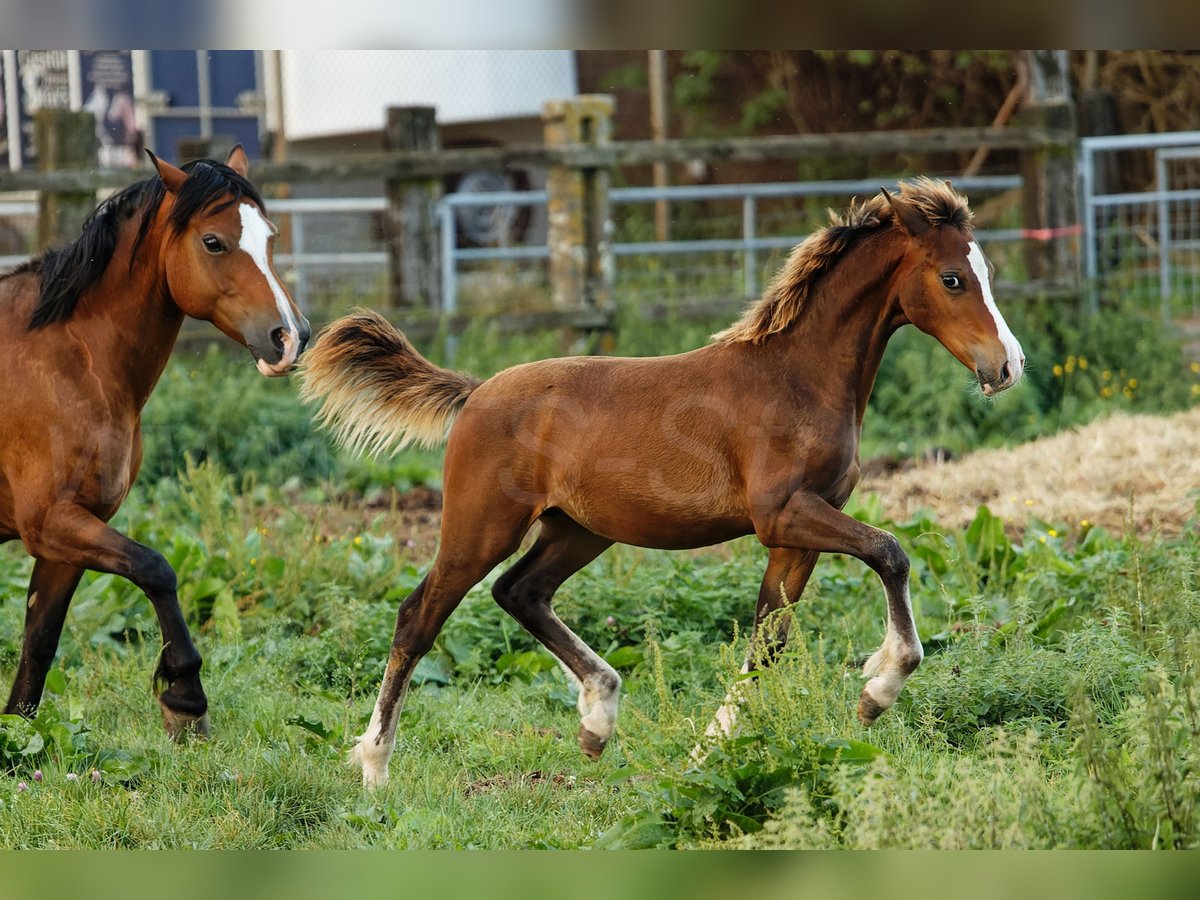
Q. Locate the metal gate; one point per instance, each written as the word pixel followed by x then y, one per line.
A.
pixel 1143 246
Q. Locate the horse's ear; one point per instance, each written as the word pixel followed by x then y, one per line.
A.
pixel 172 176
pixel 238 161
pixel 910 219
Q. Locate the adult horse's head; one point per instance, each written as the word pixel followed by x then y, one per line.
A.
pixel 217 259
pixel 944 284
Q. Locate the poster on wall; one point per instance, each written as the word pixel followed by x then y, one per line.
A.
pixel 107 90
pixel 4 142
pixel 44 82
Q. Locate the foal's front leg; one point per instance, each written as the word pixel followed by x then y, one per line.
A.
pixel 70 535
pixel 807 522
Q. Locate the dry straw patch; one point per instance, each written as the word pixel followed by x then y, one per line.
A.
pixel 1097 473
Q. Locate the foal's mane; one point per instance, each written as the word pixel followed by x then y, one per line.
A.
pixel 785 297
pixel 65 273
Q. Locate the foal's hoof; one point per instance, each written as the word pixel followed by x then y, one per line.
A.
pixel 868 709
pixel 181 726
pixel 591 744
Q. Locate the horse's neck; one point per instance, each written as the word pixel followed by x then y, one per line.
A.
pixel 139 323
pixel 839 340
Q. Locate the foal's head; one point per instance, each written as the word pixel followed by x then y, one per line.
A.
pixel 944 285
pixel 217 260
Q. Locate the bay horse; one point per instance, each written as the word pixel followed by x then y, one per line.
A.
pixel 755 433
pixel 85 332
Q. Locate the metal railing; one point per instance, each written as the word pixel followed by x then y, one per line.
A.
pixel 1130 248
pixel 749 243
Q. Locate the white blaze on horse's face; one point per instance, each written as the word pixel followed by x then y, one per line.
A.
pixel 256 233
pixel 1016 358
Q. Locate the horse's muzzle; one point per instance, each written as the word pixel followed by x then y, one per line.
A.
pixel 1006 376
pixel 284 348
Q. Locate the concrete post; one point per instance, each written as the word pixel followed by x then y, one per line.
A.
pixel 414 246
pixel 65 140
pixel 580 224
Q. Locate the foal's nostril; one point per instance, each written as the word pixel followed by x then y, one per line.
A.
pixel 277 339
pixel 1005 372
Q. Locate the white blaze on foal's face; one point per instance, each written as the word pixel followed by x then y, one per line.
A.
pixel 979 265
pixel 255 241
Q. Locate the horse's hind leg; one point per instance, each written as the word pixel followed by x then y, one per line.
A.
pixel 462 561
pixel 525 591
pixel 50 591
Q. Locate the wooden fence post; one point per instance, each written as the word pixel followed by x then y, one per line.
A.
pixel 414 246
pixel 579 233
pixel 64 140
pixel 1050 202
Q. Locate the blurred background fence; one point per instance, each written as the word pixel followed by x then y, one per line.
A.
pixel 544 219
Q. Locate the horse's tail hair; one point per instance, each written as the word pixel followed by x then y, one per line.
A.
pixel 377 393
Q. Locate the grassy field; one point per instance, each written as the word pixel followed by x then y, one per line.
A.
pixel 1057 706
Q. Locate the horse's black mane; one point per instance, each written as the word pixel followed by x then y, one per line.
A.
pixel 65 273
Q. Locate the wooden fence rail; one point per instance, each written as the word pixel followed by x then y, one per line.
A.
pixel 579 163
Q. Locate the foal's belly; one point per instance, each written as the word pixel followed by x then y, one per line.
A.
pixel 648 514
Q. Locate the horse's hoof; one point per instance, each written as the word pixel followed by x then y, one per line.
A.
pixel 868 709
pixel 591 744
pixel 181 726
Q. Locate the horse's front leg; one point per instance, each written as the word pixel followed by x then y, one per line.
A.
pixel 50 590
pixel 70 535
pixel 807 522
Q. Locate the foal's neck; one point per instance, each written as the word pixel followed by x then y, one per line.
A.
pixel 838 342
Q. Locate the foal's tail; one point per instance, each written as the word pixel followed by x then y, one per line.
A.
pixel 376 391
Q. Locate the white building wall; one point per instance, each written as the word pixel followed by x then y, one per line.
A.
pixel 330 92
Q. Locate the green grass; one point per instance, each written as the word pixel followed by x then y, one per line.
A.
pixel 1056 706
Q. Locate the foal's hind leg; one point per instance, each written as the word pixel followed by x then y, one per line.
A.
pixel 50 591
pixel 462 561
pixel 525 591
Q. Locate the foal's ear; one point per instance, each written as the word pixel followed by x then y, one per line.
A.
pixel 172 176
pixel 910 220
pixel 238 161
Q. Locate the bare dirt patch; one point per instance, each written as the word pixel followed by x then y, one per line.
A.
pixel 1122 471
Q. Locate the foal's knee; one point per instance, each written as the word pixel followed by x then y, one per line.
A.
pixel 891 560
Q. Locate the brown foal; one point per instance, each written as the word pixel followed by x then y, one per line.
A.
pixel 85 331
pixel 755 433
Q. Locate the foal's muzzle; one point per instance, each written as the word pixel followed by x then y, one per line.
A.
pixel 1009 373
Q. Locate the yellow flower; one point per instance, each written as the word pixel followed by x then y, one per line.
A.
pixel 1057 370
pixel 358 540
pixel 1052 532
pixel 254 560
pixel 1106 374
pixel 1195 367
pixel 1029 502
pixel 1106 391
pixel 1128 394
pixel 1133 383
pixel 1042 539
pixel 1083 363
pixel 1070 366
pixel 1196 390
pixel 1084 523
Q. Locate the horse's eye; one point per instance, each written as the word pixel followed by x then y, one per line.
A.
pixel 952 282
pixel 213 244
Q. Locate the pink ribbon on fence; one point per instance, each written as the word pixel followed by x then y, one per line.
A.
pixel 1049 234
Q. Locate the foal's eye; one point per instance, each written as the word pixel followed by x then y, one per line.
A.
pixel 952 282
pixel 213 244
